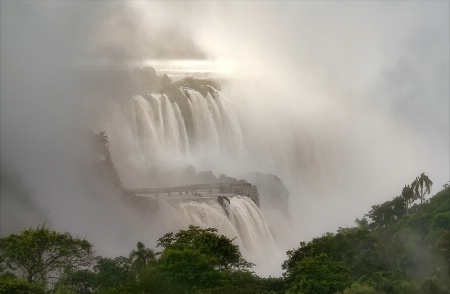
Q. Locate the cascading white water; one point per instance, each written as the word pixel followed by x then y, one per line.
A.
pixel 156 130
pixel 334 129
pixel 244 221
pixel 157 124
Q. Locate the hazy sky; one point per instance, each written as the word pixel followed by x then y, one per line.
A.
pixel 374 75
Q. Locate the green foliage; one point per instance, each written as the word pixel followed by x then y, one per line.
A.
pixel 109 275
pixel 43 255
pixel 187 269
pixel 395 253
pixel 358 288
pixel 387 213
pixel 317 246
pixel 405 287
pixel 80 281
pixel 441 221
pixel 154 280
pixel 353 246
pixel 113 272
pixel 197 261
pixel 319 275
pixel 220 251
pixel 442 247
pixel 141 257
pixel 10 285
pixel 432 285
pixel 244 282
pixel 118 290
pixel 421 186
pixel 408 196
pixel 273 285
pixel 64 289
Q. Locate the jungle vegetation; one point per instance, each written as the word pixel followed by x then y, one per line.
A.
pixel 392 249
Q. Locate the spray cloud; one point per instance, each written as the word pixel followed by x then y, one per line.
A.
pixel 344 101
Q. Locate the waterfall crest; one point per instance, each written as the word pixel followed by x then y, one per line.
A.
pixel 159 125
pixel 152 132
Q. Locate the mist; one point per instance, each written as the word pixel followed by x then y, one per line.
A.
pixel 346 102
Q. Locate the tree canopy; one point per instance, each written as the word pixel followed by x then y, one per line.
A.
pixel 319 275
pixel 421 186
pixel 42 255
pixel 394 252
pixel 390 251
pixel 219 249
pixel 141 256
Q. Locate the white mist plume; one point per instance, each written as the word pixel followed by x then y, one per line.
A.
pixel 345 101
pixel 44 137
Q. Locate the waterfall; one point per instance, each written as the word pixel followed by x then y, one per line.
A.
pixel 203 130
pixel 159 126
pixel 244 222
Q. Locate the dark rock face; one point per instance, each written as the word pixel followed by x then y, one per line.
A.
pixel 206 177
pixel 252 192
pixel 241 187
pixel 272 191
pixel 102 161
pixel 203 86
pixel 108 177
pixel 223 200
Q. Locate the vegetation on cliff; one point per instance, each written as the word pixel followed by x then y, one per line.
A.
pixel 388 251
pixel 399 246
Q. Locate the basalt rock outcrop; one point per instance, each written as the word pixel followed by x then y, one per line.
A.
pixel 225 203
pixel 272 191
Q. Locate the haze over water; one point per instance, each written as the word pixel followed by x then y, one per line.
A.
pixel 346 102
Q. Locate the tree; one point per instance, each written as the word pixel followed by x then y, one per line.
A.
pixel 408 196
pixel 113 272
pixel 109 275
pixel 142 256
pixel 187 269
pixel 433 285
pixel 387 213
pixel 80 281
pixel 19 286
pixel 104 164
pixel 43 255
pixel 245 282
pixel 421 186
pixel 100 143
pixel 358 288
pixel 220 250
pixel 319 275
pixel 102 138
pixel 193 261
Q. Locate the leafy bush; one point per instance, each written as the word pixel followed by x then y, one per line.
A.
pixel 19 286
